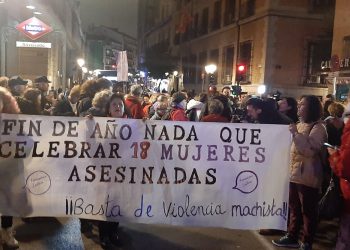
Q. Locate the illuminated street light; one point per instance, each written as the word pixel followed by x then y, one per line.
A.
pixel 261 89
pixel 175 73
pixel 210 69
pixel 81 62
pixel 84 69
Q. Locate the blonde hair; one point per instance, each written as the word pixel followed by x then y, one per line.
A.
pixel 336 109
pixel 4 81
pixel 8 102
pixel 101 98
pixel 75 91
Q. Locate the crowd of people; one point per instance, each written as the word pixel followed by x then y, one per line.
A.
pixel 311 124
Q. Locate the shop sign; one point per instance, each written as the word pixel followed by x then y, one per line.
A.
pixel 33 45
pixel 335 64
pixel 34 28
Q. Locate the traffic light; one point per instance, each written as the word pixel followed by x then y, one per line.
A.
pixel 241 72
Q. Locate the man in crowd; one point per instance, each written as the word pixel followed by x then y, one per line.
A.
pixel 132 101
pixel 42 83
pixel 17 85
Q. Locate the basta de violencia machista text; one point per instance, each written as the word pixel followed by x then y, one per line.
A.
pixel 238 145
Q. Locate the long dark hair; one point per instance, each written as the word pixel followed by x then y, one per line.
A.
pixel 292 113
pixel 314 110
pixel 120 96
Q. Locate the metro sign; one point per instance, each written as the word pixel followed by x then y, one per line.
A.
pixel 34 28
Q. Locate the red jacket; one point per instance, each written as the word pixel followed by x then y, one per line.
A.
pixel 214 118
pixel 178 114
pixel 135 107
pixel 340 163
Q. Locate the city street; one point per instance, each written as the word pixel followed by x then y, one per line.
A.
pixel 204 114
pixel 64 233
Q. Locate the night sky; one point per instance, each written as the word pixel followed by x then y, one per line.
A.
pixel 121 14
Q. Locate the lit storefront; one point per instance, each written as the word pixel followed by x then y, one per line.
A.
pixel 337 72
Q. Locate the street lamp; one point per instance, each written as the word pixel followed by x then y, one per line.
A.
pixel 261 89
pixel 210 69
pixel 81 62
pixel 176 80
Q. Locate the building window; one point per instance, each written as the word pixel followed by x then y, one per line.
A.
pixel 346 47
pixel 317 51
pixel 230 9
pixel 204 22
pixel 189 66
pixel 245 58
pixel 319 6
pixel 216 24
pixel 247 8
pixel 202 61
pixel 227 63
pixel 214 59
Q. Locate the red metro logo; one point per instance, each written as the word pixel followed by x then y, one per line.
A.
pixel 34 28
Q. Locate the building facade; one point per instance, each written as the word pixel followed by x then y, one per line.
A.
pixel 103 43
pixel 53 54
pixel 280 42
pixel 337 67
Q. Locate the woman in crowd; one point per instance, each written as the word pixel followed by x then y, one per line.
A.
pixel 99 103
pixel 87 92
pixel 305 174
pixel 108 231
pixel 227 112
pixel 67 106
pixel 289 107
pixel 335 123
pixel 32 102
pixel 215 109
pixel 8 105
pixel 178 107
pixel 160 109
pixel 340 163
pixel 147 107
pixel 194 107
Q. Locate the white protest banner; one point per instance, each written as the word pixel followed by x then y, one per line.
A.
pixel 180 173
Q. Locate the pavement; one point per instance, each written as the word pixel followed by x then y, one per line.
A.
pixel 64 233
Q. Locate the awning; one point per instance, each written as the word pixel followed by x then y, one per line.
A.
pixel 339 80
